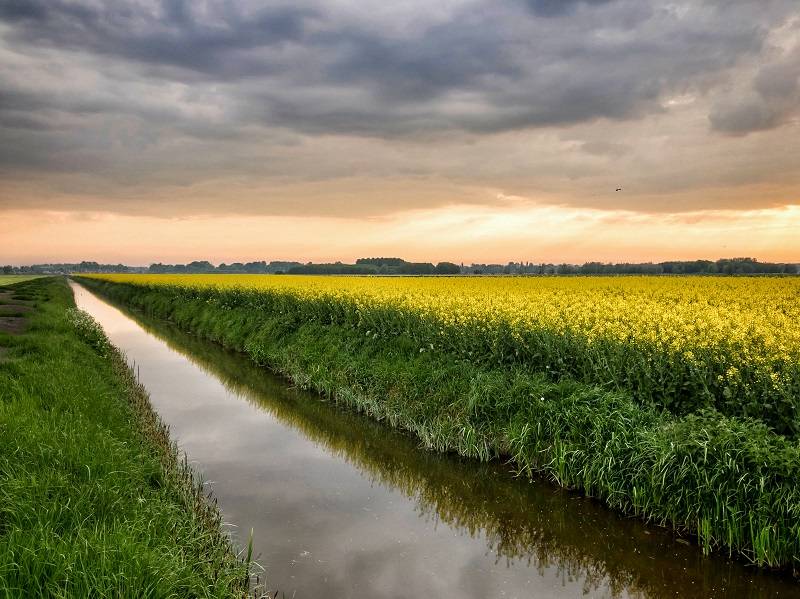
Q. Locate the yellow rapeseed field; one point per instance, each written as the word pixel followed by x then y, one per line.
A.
pixel 732 340
pixel 682 313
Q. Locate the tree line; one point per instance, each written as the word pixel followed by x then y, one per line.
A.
pixel 398 266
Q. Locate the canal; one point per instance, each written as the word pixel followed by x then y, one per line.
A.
pixel 341 506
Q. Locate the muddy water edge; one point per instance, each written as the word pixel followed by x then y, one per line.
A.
pixel 344 507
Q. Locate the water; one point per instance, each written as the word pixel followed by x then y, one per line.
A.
pixel 343 507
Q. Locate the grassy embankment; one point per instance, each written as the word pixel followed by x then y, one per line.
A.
pixel 728 479
pixel 12 279
pixel 94 498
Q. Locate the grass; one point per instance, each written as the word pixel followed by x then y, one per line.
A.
pixel 13 279
pixel 94 499
pixel 729 481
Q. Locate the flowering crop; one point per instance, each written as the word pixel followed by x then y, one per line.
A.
pixel 680 343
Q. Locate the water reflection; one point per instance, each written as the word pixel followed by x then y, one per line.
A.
pixel 532 532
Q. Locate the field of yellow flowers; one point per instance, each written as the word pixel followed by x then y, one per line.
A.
pixel 681 344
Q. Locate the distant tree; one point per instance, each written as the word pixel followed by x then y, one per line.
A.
pixel 236 267
pixel 279 266
pixel 256 267
pixel 566 269
pixel 417 268
pixel 333 269
pixel 88 267
pixel 381 261
pixel 447 268
pixel 199 266
pixel 8 269
pixel 591 268
pixel 158 268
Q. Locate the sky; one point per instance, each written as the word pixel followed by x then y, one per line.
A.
pixel 461 130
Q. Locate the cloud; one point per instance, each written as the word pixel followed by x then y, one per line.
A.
pixel 172 35
pixel 555 8
pixel 487 67
pixel 772 100
pixel 742 116
pixel 605 148
pixel 128 99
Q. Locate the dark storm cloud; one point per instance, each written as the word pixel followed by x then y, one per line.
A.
pixel 557 8
pixel 517 70
pixel 167 35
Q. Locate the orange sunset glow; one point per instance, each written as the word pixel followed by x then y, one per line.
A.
pixel 557 132
pixel 475 234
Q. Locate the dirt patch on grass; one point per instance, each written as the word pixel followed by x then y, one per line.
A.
pixel 13 308
pixel 5 309
pixel 11 298
pixel 13 325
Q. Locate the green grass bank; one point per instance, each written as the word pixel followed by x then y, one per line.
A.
pixel 728 480
pixel 12 279
pixel 95 500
